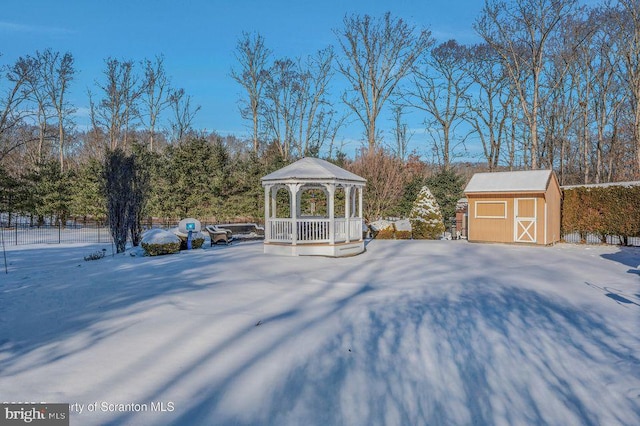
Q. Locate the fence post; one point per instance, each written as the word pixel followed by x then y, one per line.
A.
pixel 59 231
pixel 16 233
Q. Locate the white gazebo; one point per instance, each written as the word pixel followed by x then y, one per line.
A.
pixel 321 205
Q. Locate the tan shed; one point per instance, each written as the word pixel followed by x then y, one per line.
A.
pixel 514 207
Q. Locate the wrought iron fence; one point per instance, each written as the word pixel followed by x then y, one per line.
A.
pixel 22 234
pixel 25 233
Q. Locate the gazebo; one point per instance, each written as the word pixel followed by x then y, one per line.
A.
pixel 320 209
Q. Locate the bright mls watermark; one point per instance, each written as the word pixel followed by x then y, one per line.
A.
pixel 38 414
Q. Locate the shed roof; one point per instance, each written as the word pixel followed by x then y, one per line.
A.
pixel 315 169
pixel 521 181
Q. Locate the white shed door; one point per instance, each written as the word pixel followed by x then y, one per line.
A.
pixel 525 220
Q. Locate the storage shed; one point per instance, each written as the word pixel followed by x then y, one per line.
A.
pixel 514 207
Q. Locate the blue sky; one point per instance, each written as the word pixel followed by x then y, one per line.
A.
pixel 198 38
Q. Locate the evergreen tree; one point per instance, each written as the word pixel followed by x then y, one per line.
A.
pixel 425 217
pixel 447 187
pixel 409 195
pixel 119 173
pixel 48 192
pixel 10 195
pixel 197 178
pixel 160 200
pixel 87 199
pixel 245 196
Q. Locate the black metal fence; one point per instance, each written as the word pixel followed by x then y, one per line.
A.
pixel 24 233
pixel 21 234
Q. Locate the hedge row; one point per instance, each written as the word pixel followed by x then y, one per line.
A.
pixel 611 210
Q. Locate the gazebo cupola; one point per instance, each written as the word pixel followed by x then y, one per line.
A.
pixel 313 207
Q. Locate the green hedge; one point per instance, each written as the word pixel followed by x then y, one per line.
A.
pixel 385 234
pixel 610 210
pixel 196 243
pixel 158 249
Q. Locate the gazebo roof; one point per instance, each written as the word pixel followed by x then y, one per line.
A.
pixel 312 169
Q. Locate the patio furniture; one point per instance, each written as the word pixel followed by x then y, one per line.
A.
pixel 218 234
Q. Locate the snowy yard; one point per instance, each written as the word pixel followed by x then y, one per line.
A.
pixel 438 333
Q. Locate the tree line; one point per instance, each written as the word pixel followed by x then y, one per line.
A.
pixel 552 84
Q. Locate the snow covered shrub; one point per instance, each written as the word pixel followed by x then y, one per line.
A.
pixel 403 229
pixel 425 217
pixel 158 241
pixel 382 229
pixel 154 249
pixel 96 255
pixel 197 240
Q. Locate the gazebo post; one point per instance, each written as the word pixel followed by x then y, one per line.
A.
pixel 274 202
pixel 347 212
pixel 360 210
pixel 267 215
pixel 332 213
pixel 293 208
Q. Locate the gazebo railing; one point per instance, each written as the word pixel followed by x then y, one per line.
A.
pixel 313 230
pixel 355 229
pixel 279 230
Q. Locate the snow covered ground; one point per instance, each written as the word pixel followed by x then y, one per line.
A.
pixel 410 332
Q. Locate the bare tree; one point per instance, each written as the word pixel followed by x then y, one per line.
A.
pixel 630 49
pixel 378 55
pixel 13 97
pixel 489 102
pixel 440 85
pixel 282 94
pixel 581 74
pixel 519 31
pixel 296 111
pixel 183 113
pixel 385 176
pixel 253 57
pixel 609 94
pixel 154 95
pixel 40 100
pixel 316 118
pixel 333 123
pixel 117 110
pixel 401 134
pixel 57 72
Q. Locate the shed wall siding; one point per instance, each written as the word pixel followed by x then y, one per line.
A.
pixel 490 229
pixel 554 201
pixel 502 230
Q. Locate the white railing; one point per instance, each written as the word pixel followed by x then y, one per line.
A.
pixel 355 229
pixel 313 230
pixel 280 230
pixel 340 230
